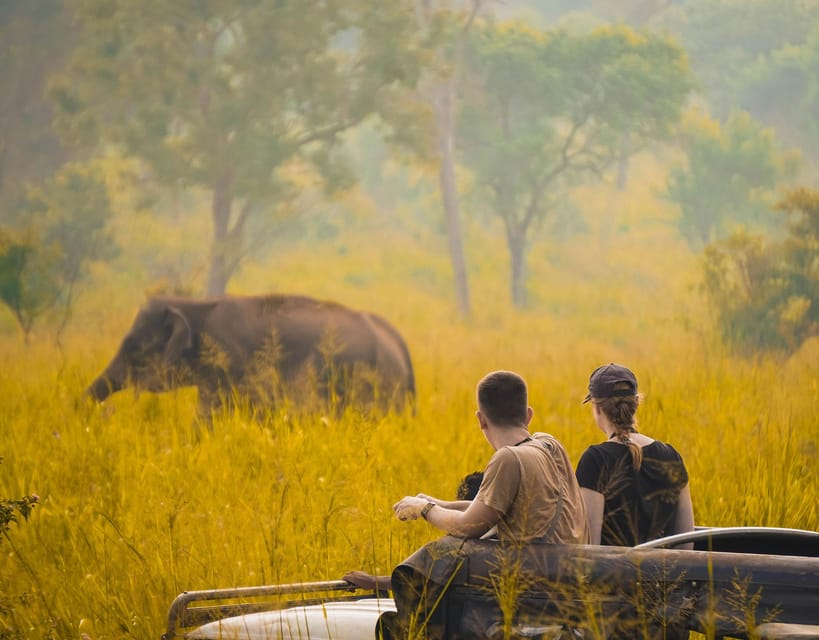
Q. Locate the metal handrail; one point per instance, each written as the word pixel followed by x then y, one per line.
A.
pixel 183 615
pixel 705 533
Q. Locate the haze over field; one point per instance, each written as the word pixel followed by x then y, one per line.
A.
pixel 542 187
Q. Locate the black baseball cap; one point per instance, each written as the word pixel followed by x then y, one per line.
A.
pixel 611 380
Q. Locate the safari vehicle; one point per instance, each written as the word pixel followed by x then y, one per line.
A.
pixel 736 582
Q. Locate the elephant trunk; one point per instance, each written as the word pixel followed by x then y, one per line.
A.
pixel 107 383
pixel 100 389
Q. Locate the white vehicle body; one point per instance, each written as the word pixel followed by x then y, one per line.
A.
pixel 323 621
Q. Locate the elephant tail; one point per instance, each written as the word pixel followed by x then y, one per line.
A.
pixel 402 345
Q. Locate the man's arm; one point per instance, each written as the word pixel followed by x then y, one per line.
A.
pixel 363 580
pixel 473 522
pixel 457 505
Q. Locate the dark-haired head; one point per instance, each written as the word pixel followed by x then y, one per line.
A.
pixel 503 398
pixel 469 486
pixel 611 381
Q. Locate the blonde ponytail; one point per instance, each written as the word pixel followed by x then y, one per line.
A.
pixel 620 412
pixel 635 449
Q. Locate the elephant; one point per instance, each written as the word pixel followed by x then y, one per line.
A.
pixel 265 350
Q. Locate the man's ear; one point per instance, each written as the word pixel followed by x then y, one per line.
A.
pixel 529 414
pixel 481 419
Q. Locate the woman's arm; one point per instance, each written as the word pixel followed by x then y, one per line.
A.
pixel 595 505
pixel 684 518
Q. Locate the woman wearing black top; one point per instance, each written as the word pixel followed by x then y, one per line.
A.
pixel 635 488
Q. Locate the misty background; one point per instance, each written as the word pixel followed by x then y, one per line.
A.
pixel 190 146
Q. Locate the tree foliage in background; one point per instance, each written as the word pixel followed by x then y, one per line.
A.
pixel 546 110
pixel 729 176
pixel 222 94
pixel 56 231
pixel 35 37
pixel 24 289
pixel 766 294
pixel 725 37
pixel 782 90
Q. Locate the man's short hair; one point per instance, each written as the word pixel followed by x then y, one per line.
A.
pixel 503 399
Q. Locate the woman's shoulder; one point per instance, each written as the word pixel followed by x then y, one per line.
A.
pixel 660 449
pixel 604 451
pixel 596 459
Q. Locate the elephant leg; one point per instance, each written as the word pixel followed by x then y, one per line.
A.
pixel 212 402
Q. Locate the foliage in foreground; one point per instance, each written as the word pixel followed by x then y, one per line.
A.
pixel 11 510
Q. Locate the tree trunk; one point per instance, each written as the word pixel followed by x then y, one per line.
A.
pixel 516 239
pixel 443 106
pixel 445 124
pixel 221 206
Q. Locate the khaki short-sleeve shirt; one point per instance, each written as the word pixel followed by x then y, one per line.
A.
pixel 533 487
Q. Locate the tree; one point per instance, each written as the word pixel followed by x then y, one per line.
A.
pixel 766 294
pixel 799 317
pixel 222 94
pixel 441 92
pixel 61 229
pixel 548 109
pixel 728 178
pixel 22 289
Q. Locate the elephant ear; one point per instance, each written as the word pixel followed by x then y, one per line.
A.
pixel 181 337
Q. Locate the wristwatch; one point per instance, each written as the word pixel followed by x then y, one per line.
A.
pixel 426 509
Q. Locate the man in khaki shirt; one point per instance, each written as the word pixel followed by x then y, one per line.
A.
pixel 529 490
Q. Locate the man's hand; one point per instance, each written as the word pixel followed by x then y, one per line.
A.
pixel 409 507
pixel 364 580
pixel 470 519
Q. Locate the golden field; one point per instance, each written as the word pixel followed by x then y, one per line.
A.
pixel 135 508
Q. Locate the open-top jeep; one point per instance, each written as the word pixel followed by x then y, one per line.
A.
pixel 737 582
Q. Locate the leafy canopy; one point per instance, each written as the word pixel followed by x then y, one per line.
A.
pixel 728 178
pixel 546 110
pixel 197 88
pixel 221 94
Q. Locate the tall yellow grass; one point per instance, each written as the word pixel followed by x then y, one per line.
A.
pixel 136 508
